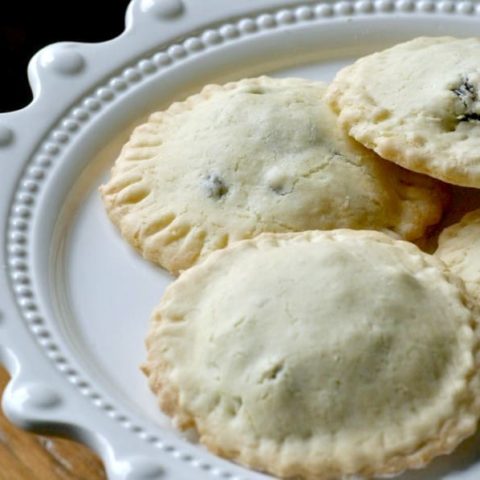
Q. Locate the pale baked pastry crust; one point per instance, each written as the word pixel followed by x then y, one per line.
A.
pixel 459 248
pixel 251 156
pixel 417 104
pixel 319 354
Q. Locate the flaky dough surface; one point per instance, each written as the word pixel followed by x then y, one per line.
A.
pixel 258 155
pixel 319 354
pixel 417 104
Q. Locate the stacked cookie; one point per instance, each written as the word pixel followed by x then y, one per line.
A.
pixel 306 335
pixel 259 155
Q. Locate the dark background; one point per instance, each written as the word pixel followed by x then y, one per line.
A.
pixel 26 27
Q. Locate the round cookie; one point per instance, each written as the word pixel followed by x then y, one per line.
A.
pixel 417 104
pixel 258 155
pixel 459 248
pixel 319 354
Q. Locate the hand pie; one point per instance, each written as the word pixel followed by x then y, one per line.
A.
pixel 319 354
pixel 417 104
pixel 258 155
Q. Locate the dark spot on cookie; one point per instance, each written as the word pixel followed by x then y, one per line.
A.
pixel 273 372
pixel 256 90
pixel 381 115
pixel 467 92
pixel 280 190
pixel 470 117
pixel 215 186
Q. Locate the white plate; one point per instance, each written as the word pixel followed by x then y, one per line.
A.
pixel 74 298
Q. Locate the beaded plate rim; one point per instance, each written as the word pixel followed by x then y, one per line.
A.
pixel 69 62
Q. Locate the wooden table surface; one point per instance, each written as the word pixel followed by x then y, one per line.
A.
pixel 25 456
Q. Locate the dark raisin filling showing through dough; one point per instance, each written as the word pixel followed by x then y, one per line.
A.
pixel 281 190
pixel 467 92
pixel 215 186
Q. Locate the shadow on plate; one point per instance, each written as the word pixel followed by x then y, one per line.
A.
pixel 465 457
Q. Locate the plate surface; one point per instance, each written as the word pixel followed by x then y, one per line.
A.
pixel 75 299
